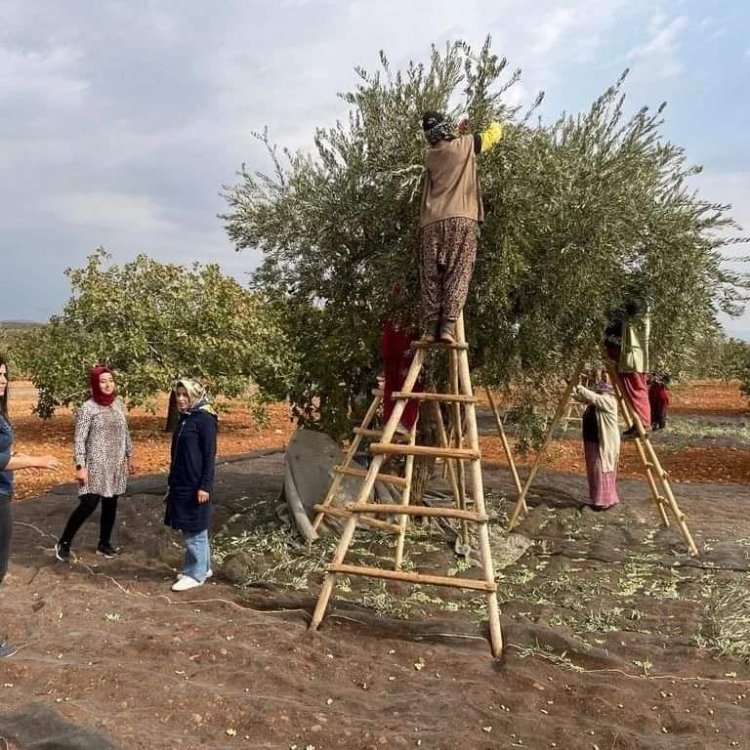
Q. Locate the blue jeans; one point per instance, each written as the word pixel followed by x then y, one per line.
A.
pixel 197 555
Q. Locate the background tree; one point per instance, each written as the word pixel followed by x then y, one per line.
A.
pixel 576 211
pixel 153 322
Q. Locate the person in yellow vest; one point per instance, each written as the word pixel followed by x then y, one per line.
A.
pixel 449 221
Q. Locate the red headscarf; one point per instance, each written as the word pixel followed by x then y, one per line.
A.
pixel 103 399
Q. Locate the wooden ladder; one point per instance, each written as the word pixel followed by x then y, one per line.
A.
pixel 656 476
pixel 462 449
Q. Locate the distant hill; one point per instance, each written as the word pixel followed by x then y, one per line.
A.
pixel 10 325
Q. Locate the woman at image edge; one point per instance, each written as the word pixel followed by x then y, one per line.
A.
pixel 191 480
pixel 9 463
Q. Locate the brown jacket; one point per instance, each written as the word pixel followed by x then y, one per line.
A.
pixel 451 188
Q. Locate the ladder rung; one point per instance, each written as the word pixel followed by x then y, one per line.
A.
pixel 421 578
pixel 417 510
pixel 466 454
pixel 430 344
pixel 332 510
pixel 451 397
pixel 363 432
pixel 362 474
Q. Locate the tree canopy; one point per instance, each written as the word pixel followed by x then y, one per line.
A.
pixel 578 211
pixel 153 322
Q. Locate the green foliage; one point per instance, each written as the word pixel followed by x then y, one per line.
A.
pixel 576 211
pixel 718 356
pixel 11 332
pixel 152 323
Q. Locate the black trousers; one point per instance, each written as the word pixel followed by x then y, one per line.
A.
pixel 6 534
pixel 86 507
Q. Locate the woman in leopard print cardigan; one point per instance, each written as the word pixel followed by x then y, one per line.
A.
pixel 103 451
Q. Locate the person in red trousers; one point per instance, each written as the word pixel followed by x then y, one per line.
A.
pixel 626 341
pixel 658 396
pixel 396 352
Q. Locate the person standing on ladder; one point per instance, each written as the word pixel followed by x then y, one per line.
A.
pixel 626 340
pixel 449 220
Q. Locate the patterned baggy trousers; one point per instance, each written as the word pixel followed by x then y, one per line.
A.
pixel 446 263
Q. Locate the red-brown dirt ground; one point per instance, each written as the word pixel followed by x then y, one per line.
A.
pixel 615 639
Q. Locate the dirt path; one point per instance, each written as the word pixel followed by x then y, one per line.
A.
pixel 602 617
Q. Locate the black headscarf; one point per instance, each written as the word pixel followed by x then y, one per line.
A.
pixel 436 127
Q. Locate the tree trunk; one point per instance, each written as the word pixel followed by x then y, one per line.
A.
pixel 173 414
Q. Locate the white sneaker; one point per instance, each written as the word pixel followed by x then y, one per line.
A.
pixel 208 575
pixel 185 583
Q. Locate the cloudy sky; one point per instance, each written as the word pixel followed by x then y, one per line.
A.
pixel 121 120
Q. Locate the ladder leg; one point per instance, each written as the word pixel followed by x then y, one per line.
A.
pixel 330 580
pixel 351 525
pixel 506 445
pixel 630 418
pixel 405 498
pixel 449 462
pixel 670 498
pixel 337 479
pixel 458 434
pixel 542 450
pixel 346 539
pixel 652 461
pixel 483 533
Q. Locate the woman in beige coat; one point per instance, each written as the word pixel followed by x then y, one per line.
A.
pixel 601 442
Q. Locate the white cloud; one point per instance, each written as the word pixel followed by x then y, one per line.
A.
pixel 660 53
pixel 550 31
pixel 711 29
pixel 110 211
pixel 49 76
pixel 121 121
pixel 731 188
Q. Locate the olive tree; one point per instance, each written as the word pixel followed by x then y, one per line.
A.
pixel 577 211
pixel 153 322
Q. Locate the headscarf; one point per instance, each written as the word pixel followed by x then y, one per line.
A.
pixel 103 399
pixel 4 398
pixel 604 387
pixel 197 395
pixel 436 127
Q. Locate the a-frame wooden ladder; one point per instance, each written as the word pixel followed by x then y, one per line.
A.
pixel 459 395
pixel 656 476
pixel 349 468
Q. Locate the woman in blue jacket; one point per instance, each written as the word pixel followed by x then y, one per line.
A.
pixel 191 480
pixel 11 462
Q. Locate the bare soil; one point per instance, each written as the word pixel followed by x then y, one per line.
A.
pixel 615 638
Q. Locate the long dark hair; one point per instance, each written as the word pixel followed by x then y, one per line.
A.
pixel 4 397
